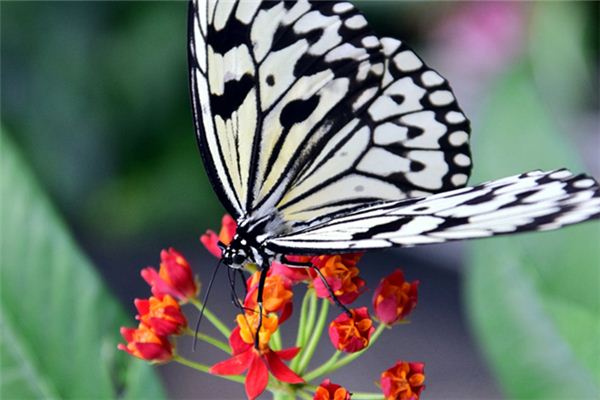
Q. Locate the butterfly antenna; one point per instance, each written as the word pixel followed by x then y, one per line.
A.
pixel 204 301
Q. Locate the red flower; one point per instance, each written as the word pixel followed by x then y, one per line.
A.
pixel 341 274
pixel 163 316
pixel 351 334
pixel 210 240
pixel 295 274
pixel 146 344
pixel 277 294
pixel 404 381
pixel 331 391
pixel 258 363
pixel 394 298
pixel 174 277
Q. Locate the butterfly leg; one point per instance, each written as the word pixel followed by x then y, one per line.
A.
pixel 264 269
pixel 308 264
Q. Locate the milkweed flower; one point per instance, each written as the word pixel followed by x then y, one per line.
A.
pixel 163 316
pixel 144 343
pixel 295 274
pixel 341 273
pixel 277 294
pixel 248 323
pixel 394 298
pixel 211 240
pixel 174 277
pixel 351 334
pixel 331 391
pixel 258 363
pixel 403 381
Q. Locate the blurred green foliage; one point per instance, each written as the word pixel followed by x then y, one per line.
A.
pixel 534 300
pixel 59 323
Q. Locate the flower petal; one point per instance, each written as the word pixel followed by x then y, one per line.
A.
pixel 288 354
pixel 257 378
pixel 210 240
pixel 234 365
pixel 280 370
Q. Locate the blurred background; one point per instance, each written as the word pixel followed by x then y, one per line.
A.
pixel 95 98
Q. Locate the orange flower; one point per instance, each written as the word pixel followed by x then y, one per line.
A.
pixel 258 363
pixel 210 240
pixel 394 298
pixel 146 344
pixel 174 277
pixel 404 381
pixel 277 295
pixel 249 322
pixel 351 334
pixel 341 274
pixel 331 391
pixel 163 316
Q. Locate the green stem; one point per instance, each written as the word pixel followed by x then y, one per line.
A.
pixel 307 327
pixel 212 318
pixel 302 320
pixel 324 367
pixel 275 341
pixel 209 339
pixel 366 396
pixel 315 336
pixel 304 395
pixel 347 359
pixel 206 368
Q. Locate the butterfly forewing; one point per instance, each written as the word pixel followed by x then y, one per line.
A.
pixel 409 140
pixel 271 82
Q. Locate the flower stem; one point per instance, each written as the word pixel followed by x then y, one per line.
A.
pixel 313 340
pixel 276 340
pixel 330 366
pixel 209 339
pixel 367 396
pixel 206 368
pixel 304 395
pixel 324 367
pixel 306 326
pixel 212 318
pixel 302 320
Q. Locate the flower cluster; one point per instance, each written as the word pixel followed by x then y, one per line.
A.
pixel 254 343
pixel 160 315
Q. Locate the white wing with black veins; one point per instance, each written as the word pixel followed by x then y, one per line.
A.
pixel 533 201
pixel 301 108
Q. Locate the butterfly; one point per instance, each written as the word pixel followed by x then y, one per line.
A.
pixel 319 137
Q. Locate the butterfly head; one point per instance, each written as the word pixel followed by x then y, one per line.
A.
pixel 236 254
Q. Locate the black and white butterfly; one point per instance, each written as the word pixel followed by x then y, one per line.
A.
pixel 321 137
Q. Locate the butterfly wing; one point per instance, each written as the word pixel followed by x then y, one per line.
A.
pixel 532 201
pixel 267 79
pixel 411 139
pixel 300 109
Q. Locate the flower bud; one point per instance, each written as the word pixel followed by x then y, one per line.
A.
pixel 394 298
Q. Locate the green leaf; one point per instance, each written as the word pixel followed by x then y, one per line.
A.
pixel 534 299
pixel 59 322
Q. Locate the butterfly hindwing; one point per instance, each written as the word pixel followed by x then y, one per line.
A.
pixel 527 202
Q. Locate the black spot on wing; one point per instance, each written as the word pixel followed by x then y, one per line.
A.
pixel 234 34
pixel 233 96
pixel 297 111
